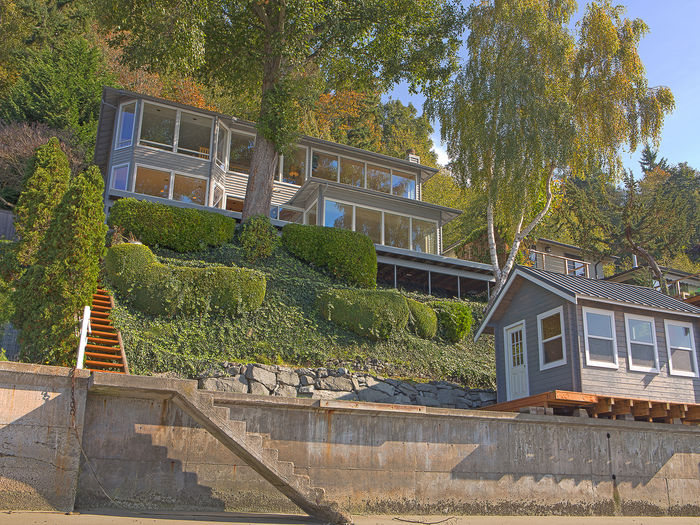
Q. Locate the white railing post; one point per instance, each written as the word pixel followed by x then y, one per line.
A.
pixel 84 330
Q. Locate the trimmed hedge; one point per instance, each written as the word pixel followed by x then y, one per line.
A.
pixel 349 256
pixel 166 290
pixel 454 319
pixel 258 238
pixel 375 314
pixel 180 229
pixel 423 319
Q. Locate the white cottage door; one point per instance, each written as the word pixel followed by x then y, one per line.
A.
pixel 516 361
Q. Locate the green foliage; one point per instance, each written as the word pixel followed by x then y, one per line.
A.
pixel 375 314
pixel 168 290
pixel 51 294
pixel 423 320
pixel 258 237
pixel 454 319
pixel 47 182
pixel 180 229
pixel 348 256
pixel 3 357
pixel 9 267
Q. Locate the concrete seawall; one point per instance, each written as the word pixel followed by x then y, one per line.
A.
pixel 368 458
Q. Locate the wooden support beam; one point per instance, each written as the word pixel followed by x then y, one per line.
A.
pixel 621 407
pixel 659 410
pixel 641 408
pixel 678 411
pixel 604 406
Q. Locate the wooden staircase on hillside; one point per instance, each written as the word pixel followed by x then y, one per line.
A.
pixel 104 351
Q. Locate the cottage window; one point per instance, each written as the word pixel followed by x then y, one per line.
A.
pixel 324 166
pixel 125 130
pixel 241 152
pixel 338 215
pixel 294 167
pixel 550 327
pixel 397 231
pixel 369 222
pixel 153 182
pixel 190 189
pixel 158 126
pixel 424 236
pixel 194 137
pixel 378 179
pixel 641 343
pixel 403 185
pixel 120 175
pixel 680 345
pixel 599 334
pixel 352 172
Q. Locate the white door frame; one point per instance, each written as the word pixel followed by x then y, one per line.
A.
pixel 508 357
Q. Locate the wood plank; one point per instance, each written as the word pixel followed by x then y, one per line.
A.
pixel 659 409
pixel 641 408
pixel 621 407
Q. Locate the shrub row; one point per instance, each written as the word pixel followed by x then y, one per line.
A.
pixel 423 319
pixel 180 229
pixel 166 290
pixel 349 256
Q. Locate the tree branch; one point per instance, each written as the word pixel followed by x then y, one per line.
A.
pixel 656 270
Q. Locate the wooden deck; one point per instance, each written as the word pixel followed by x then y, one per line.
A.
pixel 562 402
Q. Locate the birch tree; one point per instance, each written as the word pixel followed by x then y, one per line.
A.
pixel 536 102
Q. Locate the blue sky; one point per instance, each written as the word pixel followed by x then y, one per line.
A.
pixel 671 55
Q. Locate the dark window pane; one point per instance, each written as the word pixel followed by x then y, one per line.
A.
pixel 601 350
pixel 294 167
pixel 643 355
pixel 324 166
pixel 158 126
pixel 126 125
pixel 241 153
pixel 120 175
pixel 553 351
pixel 599 324
pixel 194 135
pixel 682 360
pixel 551 326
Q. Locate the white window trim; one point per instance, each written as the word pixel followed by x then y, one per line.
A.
pixel 694 361
pixel 540 342
pixel 382 211
pixel 508 356
pixel 176 133
pixel 630 360
pixel 171 184
pixel 111 175
pixel 611 315
pixel 120 118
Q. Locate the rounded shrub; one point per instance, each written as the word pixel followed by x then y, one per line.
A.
pixel 423 320
pixel 258 238
pixel 180 229
pixel 167 290
pixel 348 256
pixel 374 314
pixel 454 319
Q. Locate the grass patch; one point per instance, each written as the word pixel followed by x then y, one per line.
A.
pixel 288 329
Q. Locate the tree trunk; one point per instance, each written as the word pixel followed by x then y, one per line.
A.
pixel 655 269
pixel 263 167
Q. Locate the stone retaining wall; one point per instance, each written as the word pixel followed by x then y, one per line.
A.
pixel 325 383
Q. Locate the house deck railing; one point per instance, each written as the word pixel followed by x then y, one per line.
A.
pixel 577 266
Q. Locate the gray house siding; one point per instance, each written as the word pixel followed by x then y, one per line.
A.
pixel 531 300
pixel 624 382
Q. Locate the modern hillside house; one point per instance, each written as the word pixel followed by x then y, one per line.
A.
pixel 162 151
pixel 564 332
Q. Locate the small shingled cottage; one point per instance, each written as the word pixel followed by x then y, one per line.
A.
pixel 563 332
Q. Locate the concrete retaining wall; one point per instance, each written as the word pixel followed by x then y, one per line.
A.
pixel 368 457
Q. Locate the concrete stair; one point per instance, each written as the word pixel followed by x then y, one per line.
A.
pixel 249 446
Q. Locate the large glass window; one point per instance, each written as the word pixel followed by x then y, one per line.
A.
pixel 294 167
pixel 403 185
pixel 680 345
pixel 599 331
pixel 194 137
pixel 641 343
pixel 352 172
pixel 311 215
pixel 424 236
pixel 189 189
pixel 221 143
pixel 397 231
pixel 152 182
pixel 158 126
pixel 550 327
pixel 120 176
pixel 241 152
pixel 378 178
pixel 369 222
pixel 324 166
pixel 125 132
pixel 338 215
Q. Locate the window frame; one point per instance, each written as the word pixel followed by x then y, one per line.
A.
pixel 172 183
pixel 223 198
pixel 120 121
pixel 281 168
pixel 630 360
pixel 228 151
pixel 694 358
pixel 611 315
pixel 127 165
pixel 540 342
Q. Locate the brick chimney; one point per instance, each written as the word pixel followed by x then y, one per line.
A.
pixel 412 157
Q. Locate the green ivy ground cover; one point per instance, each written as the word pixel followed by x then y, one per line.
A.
pixel 288 329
